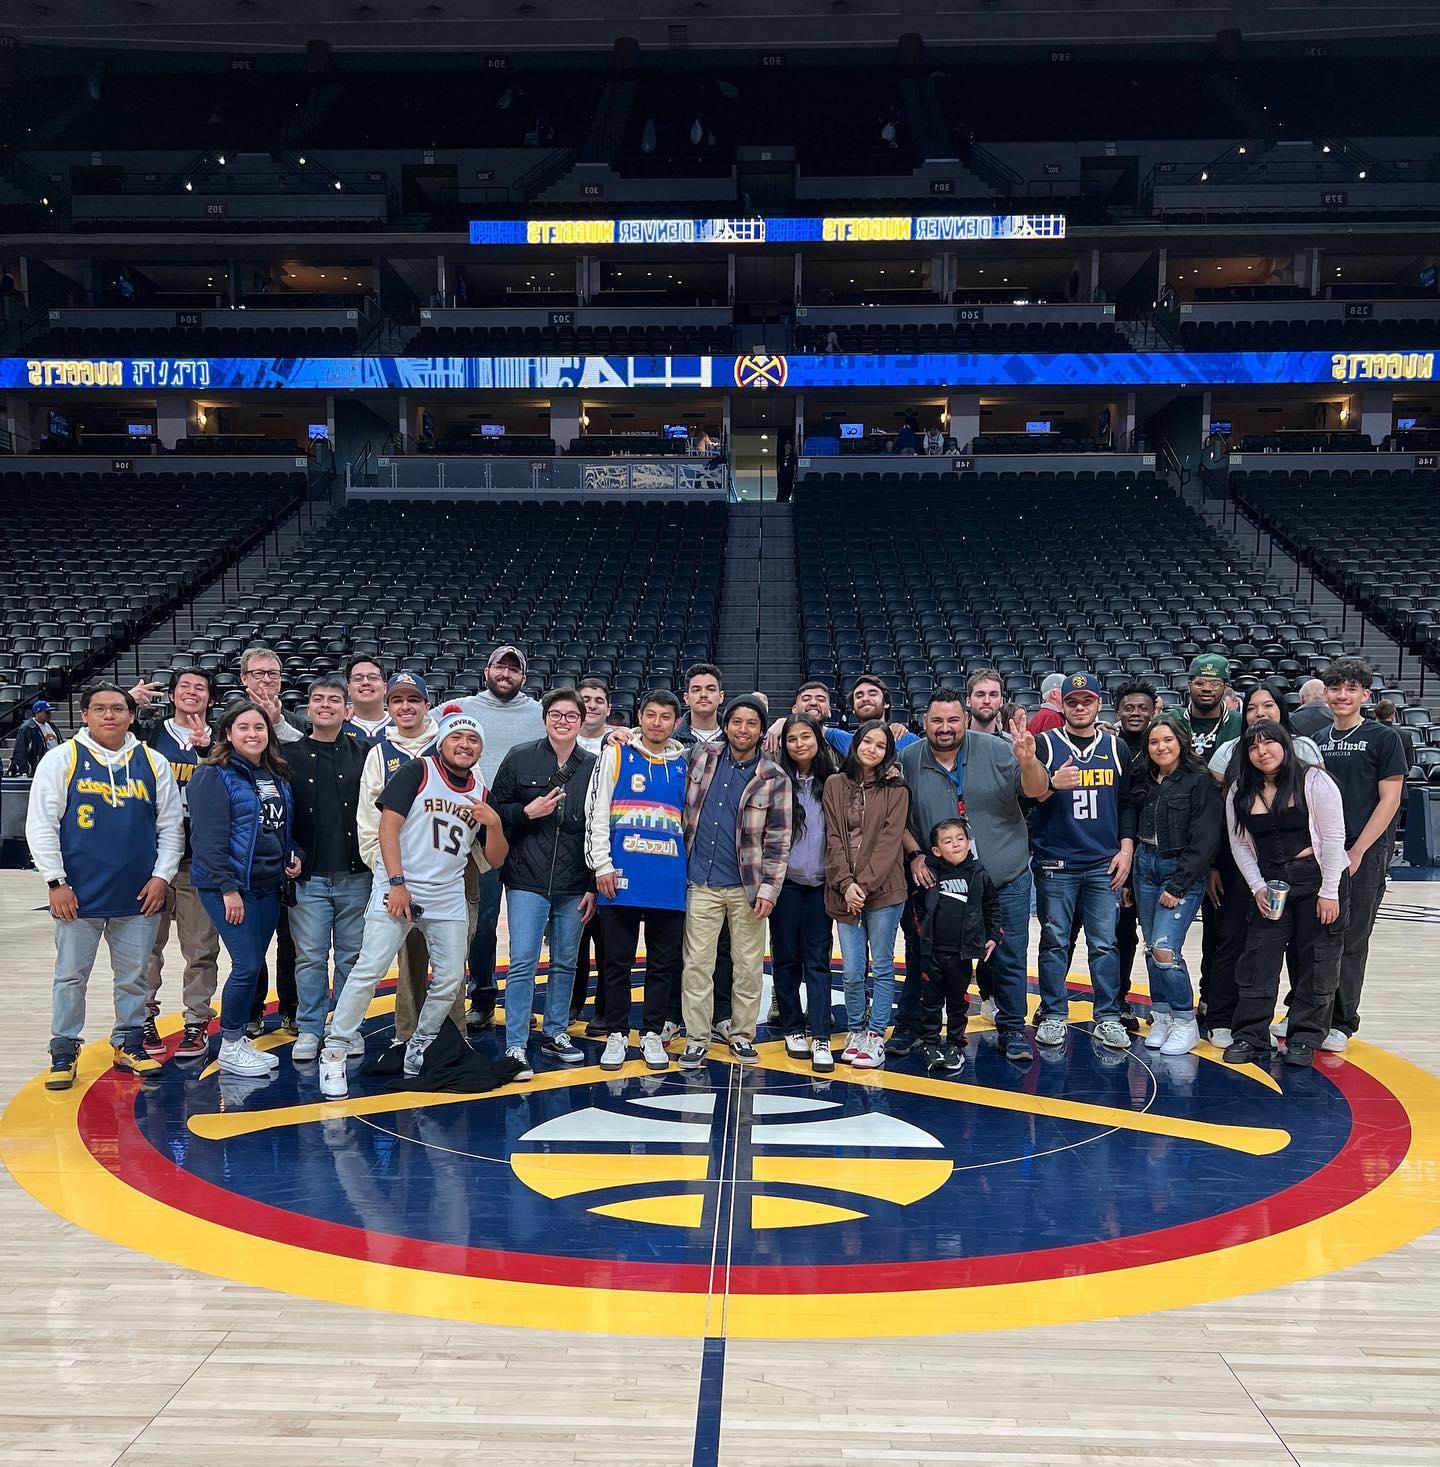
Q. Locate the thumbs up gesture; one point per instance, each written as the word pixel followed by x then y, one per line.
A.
pixel 1067 777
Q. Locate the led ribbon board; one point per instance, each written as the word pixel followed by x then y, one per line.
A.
pixel 755 372
pixel 859 229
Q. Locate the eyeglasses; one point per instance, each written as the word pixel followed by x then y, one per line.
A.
pixel 1210 684
pixel 560 717
pixel 263 675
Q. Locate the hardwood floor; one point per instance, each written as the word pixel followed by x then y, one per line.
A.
pixel 111 1355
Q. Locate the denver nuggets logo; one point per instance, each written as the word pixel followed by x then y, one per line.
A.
pixel 623 1201
pixel 761 372
pixel 1078 681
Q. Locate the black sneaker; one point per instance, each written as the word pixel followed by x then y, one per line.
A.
pixel 900 1043
pixel 952 1059
pixel 1131 1022
pixel 254 1028
pixel 1302 1056
pixel 289 1024
pixel 150 1040
pixel 1242 1052
pixel 744 1051
pixel 562 1049
pixel 693 1057
pixel 932 1053
pixel 597 1029
pixel 480 1021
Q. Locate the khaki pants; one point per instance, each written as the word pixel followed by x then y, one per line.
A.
pixel 708 909
pixel 414 964
pixel 199 945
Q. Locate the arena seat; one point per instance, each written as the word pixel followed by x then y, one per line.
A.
pixel 1034 579
pixel 1383 562
pixel 627 590
pixel 64 615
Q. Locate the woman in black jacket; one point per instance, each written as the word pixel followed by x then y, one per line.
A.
pixel 1179 828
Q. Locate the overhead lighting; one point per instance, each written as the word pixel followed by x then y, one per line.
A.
pixel 221 160
pixel 1326 148
pixel 1362 173
pixel 1242 150
pixel 302 160
pixel 337 185
pixel 189 187
pixel 1204 176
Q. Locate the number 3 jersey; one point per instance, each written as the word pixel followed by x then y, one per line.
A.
pixel 1080 827
pixel 436 839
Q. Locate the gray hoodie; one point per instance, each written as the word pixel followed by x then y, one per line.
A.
pixel 518 721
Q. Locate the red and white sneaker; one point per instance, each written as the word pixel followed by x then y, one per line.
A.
pixel 872 1053
pixel 194 1043
pixel 151 1042
pixel 854 1045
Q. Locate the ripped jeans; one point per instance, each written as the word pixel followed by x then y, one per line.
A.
pixel 1165 928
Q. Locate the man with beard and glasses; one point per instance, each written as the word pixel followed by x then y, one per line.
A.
pixel 1206 716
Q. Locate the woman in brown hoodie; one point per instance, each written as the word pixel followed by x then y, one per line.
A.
pixel 866 806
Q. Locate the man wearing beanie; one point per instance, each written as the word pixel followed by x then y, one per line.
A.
pixel 432 812
pixel 509 717
pixel 737 839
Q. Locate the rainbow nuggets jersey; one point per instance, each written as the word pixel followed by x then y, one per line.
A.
pixel 435 841
pixel 108 834
pixel 1079 827
pixel 647 832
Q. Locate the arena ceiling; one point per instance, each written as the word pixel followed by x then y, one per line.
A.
pixel 268 26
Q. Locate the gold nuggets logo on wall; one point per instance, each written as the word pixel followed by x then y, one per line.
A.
pixel 761 372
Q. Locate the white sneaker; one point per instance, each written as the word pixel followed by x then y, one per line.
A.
pixel 1051 1032
pixel 821 1060
pixel 1222 1038
pixel 306 1047
pixel 1335 1042
pixel 795 1047
pixel 333 1081
pixel 854 1040
pixel 987 1009
pixel 527 1071
pixel 1278 1028
pixel 652 1051
pixel 1160 1022
pixel 240 1058
pixel 669 1031
pixel 871 1054
pixel 613 1055
pixel 1184 1035
pixel 270 1061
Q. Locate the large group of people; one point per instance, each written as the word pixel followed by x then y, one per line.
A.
pixel 380 829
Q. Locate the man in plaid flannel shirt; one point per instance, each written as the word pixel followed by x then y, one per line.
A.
pixel 737 841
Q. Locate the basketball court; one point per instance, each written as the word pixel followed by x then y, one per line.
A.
pixel 1100 1258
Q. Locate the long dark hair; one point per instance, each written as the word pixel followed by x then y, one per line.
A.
pixel 1278 690
pixel 1247 781
pixel 823 767
pixel 1144 765
pixel 888 768
pixel 272 760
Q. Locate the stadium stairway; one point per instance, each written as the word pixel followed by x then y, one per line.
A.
pixel 758 647
pixel 167 643
pixel 1393 669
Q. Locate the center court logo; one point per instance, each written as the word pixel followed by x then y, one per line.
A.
pixel 627 1202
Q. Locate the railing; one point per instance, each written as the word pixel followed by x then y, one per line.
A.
pixel 995 171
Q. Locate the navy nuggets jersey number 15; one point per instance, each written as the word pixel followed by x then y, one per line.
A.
pixel 1079 827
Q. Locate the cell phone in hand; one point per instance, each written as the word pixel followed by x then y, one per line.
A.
pixel 416 911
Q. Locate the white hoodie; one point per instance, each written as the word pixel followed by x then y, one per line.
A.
pixel 47 804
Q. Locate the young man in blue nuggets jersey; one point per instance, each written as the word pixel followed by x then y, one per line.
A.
pixel 635 845
pixel 105 830
pixel 1081 845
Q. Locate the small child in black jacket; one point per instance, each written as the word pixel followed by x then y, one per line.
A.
pixel 957 924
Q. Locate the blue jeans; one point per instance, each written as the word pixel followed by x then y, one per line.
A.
pixel 327 909
pixel 800 959
pixel 247 943
pixel 76 944
pixel 1165 927
pixel 1009 969
pixel 1057 896
pixel 482 944
pixel 876 930
pixel 528 912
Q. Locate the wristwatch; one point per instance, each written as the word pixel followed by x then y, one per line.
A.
pixel 397 881
pixel 55 885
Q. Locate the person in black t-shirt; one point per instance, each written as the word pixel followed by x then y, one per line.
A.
pixel 1367 760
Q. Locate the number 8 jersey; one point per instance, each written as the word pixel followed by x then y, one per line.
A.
pixel 1080 827
pixel 435 841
